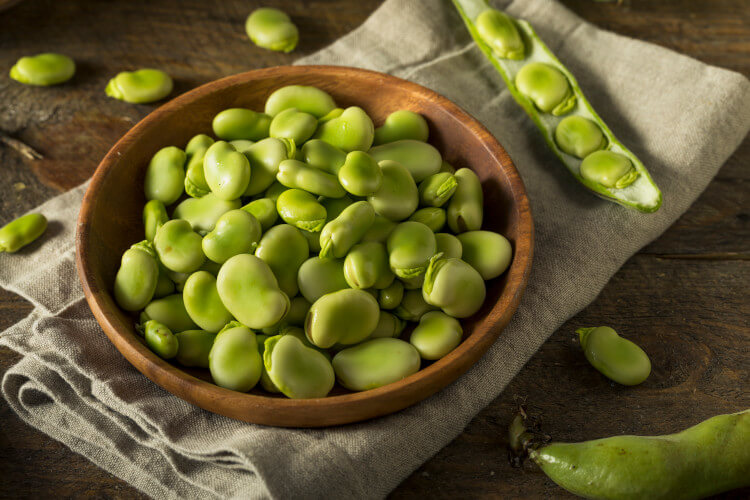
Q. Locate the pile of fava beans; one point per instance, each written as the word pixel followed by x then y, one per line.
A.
pixel 302 242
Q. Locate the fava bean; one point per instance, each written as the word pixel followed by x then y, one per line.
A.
pixel 299 306
pixel 164 285
pixel 323 156
pixel 275 190
pixel 410 247
pixel 500 33
pixel 397 197
pixel 420 159
pixel 617 358
pixel 380 230
pixel 264 210
pixel 465 209
pixel 272 29
pixel 347 317
pixel 547 87
pixel 179 247
pixel 437 189
pixel 487 252
pixel 169 311
pixel 202 302
pixel 284 249
pixel 293 124
pixel 317 277
pixel 136 280
pixel 413 306
pixel 20 232
pixel 227 171
pixel 343 232
pixel 194 347
pixel 390 297
pixel 198 143
pixel 375 363
pixel 447 167
pixel 165 175
pixel 305 98
pixel 313 240
pixel 195 178
pixel 298 371
pixel 454 286
pixel 334 206
pixel 264 157
pixel 160 339
pixel 301 209
pixel 296 174
pixel 202 213
pixel 234 361
pixel 236 232
pixel 334 113
pixel 366 266
pixel 43 69
pixel 579 136
pixel 265 380
pixel 609 169
pixel 360 175
pixel 448 245
pixel 413 283
pixel 141 86
pixel 352 131
pixel 436 335
pixel 400 125
pixel 241 123
pixel 389 326
pixel 432 217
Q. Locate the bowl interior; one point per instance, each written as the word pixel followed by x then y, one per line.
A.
pixel 110 221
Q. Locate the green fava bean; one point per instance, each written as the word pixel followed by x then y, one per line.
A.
pixel 447 167
pixel 299 306
pixel 366 266
pixel 194 346
pixel 169 311
pixel 202 213
pixel 323 156
pixel 297 174
pixel 432 217
pixel 420 159
pixel 436 335
pixel 305 98
pixel 389 326
pixel 234 361
pixel 164 285
pixel 400 125
pixel 293 124
pixel 609 169
pixel 579 136
pixel 448 245
pixel 547 87
pixel 264 210
pixel 334 113
pixel 346 317
pixel 195 178
pixel 236 232
pixel 413 283
pixel 202 302
pixel 227 171
pixel 154 216
pixel 500 33
pixel 360 175
pixel 375 363
pixel 397 197
pixel 160 339
pixel 465 209
pixel 179 247
pixel 298 371
pixel 43 69
pixel 437 189
pixel 380 230
pixel 198 143
pixel 487 252
pixel 178 279
pixel 346 230
pixel 390 297
pixel 264 157
pixel 240 123
pixel 313 240
pixel 265 380
pixel 275 190
pixel 272 29
pixel 410 247
pixel 301 209
pixel 617 358
pixel 141 86
pixel 334 206
pixel 352 131
pixel 165 175
pixel 284 249
pixel 136 280
pixel 317 277
pixel 454 286
pixel 413 306
pixel 20 232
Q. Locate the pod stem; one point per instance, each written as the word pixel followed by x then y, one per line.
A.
pixel 524 437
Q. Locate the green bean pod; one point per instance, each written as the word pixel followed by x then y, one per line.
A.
pixel 22 231
pixel 346 230
pixel 544 88
pixel 165 175
pixel 296 174
pixel 617 358
pixel 136 280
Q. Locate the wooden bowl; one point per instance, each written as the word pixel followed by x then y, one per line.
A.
pixel 110 221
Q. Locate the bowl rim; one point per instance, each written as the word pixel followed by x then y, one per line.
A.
pixel 331 410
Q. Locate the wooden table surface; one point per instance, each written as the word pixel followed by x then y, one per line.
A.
pixel 684 297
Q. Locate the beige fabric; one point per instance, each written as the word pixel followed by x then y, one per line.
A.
pixel 683 118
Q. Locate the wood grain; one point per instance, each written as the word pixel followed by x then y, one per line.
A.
pixel 704 295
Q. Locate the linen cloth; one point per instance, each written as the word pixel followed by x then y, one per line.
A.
pixel 683 118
